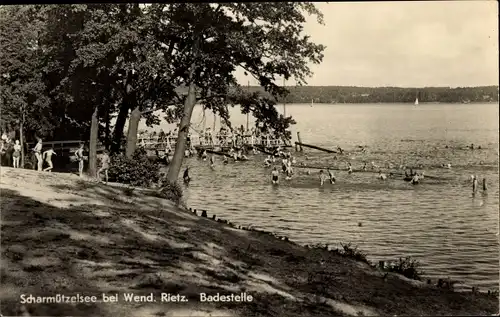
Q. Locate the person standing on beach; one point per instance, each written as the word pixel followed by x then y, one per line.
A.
pixel 17 154
pixel 79 157
pixel 104 166
pixel 47 155
pixel 275 176
pixel 38 154
pixel 484 186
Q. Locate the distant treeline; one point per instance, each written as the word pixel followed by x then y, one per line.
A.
pixel 342 94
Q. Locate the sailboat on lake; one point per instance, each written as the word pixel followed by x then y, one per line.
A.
pixel 416 100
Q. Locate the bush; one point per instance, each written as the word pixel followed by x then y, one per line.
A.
pixel 137 171
pixel 407 267
pixel 352 252
pixel 171 191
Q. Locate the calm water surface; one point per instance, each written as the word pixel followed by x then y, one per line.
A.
pixel 438 222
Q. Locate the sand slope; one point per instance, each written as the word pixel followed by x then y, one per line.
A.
pixel 63 235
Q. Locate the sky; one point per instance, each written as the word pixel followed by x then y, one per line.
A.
pixel 404 44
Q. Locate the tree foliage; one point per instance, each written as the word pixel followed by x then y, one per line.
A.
pixel 22 89
pixel 131 58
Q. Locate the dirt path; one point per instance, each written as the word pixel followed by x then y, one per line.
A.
pixel 63 235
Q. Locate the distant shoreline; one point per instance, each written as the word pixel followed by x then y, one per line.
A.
pixel 409 103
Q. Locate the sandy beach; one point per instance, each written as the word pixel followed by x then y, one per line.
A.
pixel 64 235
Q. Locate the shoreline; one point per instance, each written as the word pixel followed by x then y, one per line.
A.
pixel 395 102
pixel 195 253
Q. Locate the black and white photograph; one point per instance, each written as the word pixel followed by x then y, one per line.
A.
pixel 177 159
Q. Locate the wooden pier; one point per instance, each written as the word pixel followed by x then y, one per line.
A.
pixel 217 143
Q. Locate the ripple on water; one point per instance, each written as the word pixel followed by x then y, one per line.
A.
pixel 438 222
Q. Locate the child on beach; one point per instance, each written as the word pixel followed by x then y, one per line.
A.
pixel 17 154
pixel 104 166
pixel 79 158
pixel 38 155
pixel 47 155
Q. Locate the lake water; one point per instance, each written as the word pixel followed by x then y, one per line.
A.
pixel 439 222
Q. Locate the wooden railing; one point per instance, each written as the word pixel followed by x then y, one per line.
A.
pixel 217 141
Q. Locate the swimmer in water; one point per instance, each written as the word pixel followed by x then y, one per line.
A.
pixel 364 166
pixel 414 180
pixel 382 176
pixel 275 176
pixel 204 155
pixel 186 177
pixel 322 177
pixel 212 162
pixel 284 165
pixel 267 161
pixel 226 160
pixel 332 177
pixel 474 185
pixel 349 168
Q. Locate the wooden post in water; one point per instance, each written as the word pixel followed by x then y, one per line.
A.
pixel 315 147
pixel 300 141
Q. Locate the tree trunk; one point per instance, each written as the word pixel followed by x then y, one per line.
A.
pixel 133 126
pixel 107 128
pixel 175 165
pixel 94 131
pixel 119 125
